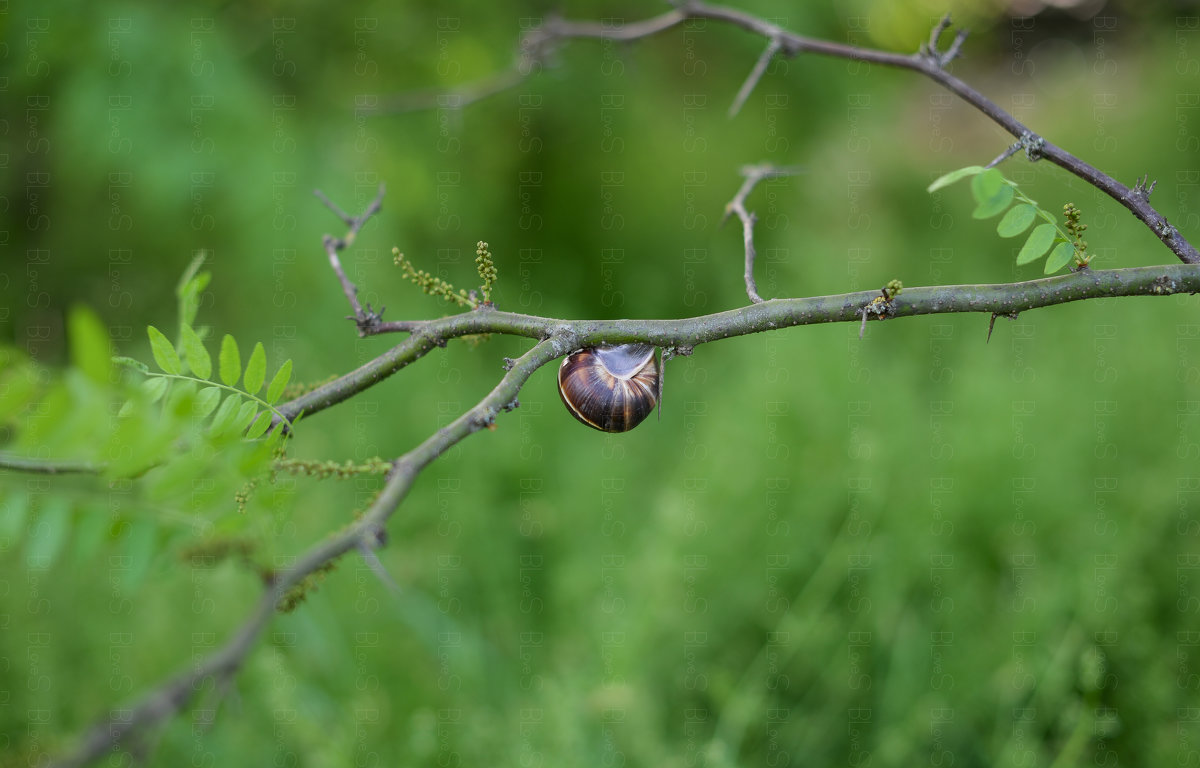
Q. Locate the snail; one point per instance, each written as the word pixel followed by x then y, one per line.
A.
pixel 611 388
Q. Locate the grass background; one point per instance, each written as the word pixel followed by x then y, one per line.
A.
pixel 913 548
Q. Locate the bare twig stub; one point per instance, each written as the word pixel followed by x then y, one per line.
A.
pixel 333 245
pixel 753 174
pixel 756 74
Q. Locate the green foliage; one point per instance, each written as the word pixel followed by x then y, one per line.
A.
pixel 176 440
pixel 914 527
pixel 993 194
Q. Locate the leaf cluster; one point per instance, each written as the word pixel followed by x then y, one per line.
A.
pixel 993 194
pixel 175 446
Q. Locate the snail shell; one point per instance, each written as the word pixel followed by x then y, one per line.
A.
pixel 610 388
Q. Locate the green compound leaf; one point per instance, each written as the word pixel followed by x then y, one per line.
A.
pixel 995 204
pixel 197 355
pixel 164 351
pixel 1017 220
pixel 953 176
pixel 1038 243
pixel 256 369
pixel 280 380
pixel 230 361
pixel 91 350
pixel 1059 257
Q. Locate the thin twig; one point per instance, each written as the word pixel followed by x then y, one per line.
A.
pixel 928 62
pixel 754 174
pixel 335 244
pixel 48 466
pixel 756 74
pixel 417 101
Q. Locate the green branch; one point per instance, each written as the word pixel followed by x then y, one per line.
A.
pixel 48 466
pixel 999 299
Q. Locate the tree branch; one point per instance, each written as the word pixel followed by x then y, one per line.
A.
pixel 48 466
pixel 928 61
pixel 770 315
pixel 335 244
pixel 753 174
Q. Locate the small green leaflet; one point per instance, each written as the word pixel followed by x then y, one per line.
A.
pixel 279 382
pixel 197 355
pixel 259 426
pixel 230 361
pixel 225 414
pixel 1059 257
pixel 91 350
pixel 206 402
pixel 1016 220
pixel 1038 243
pixel 164 352
pixel 155 387
pixel 256 369
pixel 954 176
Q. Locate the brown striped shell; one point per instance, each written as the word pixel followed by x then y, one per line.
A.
pixel 610 388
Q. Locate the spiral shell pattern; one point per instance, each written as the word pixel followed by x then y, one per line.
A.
pixel 610 388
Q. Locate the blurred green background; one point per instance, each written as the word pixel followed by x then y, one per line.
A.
pixel 913 548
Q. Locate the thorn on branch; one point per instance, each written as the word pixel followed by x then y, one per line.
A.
pixel 1000 158
pixel 992 322
pixel 1030 142
pixel 760 68
pixel 935 35
pixel 367 550
pixel 368 321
